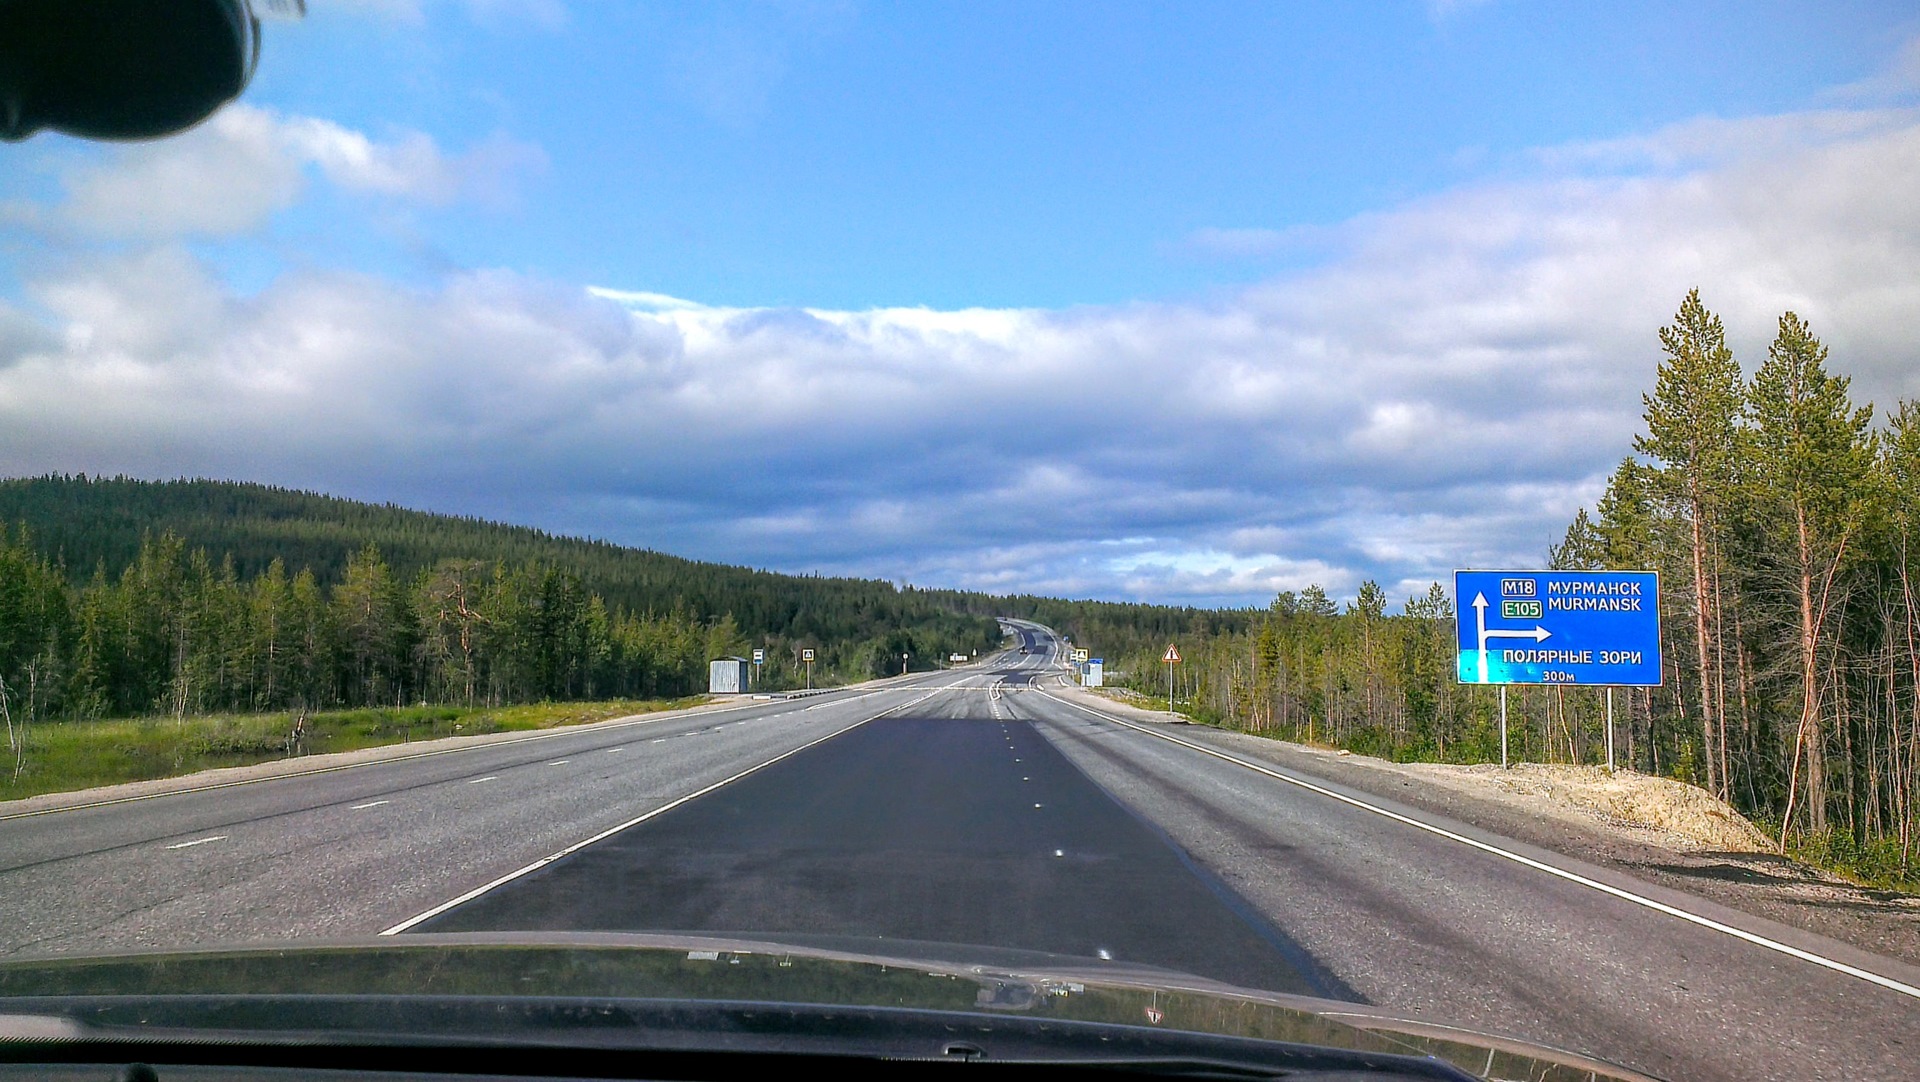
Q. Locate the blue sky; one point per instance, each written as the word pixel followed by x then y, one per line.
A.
pixel 843 156
pixel 1172 301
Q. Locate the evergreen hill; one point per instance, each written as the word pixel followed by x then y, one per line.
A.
pixel 83 524
pixel 120 596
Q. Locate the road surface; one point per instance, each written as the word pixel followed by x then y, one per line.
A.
pixel 988 805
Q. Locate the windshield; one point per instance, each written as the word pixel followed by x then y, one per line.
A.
pixel 1404 518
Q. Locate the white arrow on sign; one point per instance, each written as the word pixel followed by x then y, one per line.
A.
pixel 1538 634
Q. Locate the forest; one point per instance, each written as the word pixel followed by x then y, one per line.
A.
pixel 1782 518
pixel 127 598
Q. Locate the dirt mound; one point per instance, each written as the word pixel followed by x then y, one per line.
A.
pixel 1686 816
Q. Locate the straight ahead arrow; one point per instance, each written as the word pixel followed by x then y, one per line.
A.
pixel 1538 634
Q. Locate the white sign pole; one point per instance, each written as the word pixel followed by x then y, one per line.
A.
pixel 1609 730
pixel 1503 726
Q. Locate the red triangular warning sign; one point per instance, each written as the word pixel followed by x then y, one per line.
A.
pixel 1172 655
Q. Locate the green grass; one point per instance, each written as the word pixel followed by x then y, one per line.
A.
pixel 68 755
pixel 1876 864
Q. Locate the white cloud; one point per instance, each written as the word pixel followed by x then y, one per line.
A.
pixel 1898 80
pixel 1444 390
pixel 232 174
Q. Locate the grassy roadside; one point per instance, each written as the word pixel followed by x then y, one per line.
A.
pixel 68 755
pixel 1882 866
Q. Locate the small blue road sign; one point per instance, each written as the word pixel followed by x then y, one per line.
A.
pixel 1558 627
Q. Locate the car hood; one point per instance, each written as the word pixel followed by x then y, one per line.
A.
pixel 356 986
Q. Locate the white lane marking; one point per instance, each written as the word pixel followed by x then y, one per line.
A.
pixel 570 730
pixel 560 762
pixel 370 804
pixel 662 740
pixel 198 841
pixel 489 777
pixel 1709 923
pixel 611 831
pixel 622 747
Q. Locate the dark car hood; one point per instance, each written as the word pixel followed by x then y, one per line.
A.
pixel 602 976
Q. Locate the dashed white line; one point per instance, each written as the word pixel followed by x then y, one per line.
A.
pixel 198 841
pixel 489 777
pixel 560 762
pixel 564 731
pixel 370 804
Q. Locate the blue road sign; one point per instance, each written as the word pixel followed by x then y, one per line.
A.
pixel 1558 627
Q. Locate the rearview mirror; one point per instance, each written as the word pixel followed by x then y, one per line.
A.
pixel 121 69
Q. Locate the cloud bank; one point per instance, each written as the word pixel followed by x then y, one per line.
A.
pixel 1444 389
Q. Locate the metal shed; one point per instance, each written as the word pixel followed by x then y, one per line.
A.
pixel 727 676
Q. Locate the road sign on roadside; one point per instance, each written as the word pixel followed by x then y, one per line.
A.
pixel 1080 655
pixel 1558 627
pixel 1172 655
pixel 759 657
pixel 806 655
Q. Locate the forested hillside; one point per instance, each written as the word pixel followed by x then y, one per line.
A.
pixel 1784 522
pixel 127 597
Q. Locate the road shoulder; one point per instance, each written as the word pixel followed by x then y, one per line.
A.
pixel 1885 923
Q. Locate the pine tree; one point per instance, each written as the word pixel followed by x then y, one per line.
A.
pixel 1693 418
pixel 1814 455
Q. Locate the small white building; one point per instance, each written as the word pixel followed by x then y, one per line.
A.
pixel 727 676
pixel 1095 673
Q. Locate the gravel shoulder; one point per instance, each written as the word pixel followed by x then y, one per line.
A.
pixel 1671 840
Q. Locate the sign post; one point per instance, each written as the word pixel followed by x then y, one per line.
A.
pixel 806 655
pixel 1557 627
pixel 1503 726
pixel 1609 729
pixel 1172 658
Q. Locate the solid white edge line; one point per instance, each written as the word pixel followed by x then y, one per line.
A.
pixel 198 841
pixel 634 822
pixel 1573 877
pixel 565 730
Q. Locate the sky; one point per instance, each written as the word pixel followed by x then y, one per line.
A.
pixel 1186 302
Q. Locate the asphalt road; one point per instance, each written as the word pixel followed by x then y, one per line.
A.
pixel 991 806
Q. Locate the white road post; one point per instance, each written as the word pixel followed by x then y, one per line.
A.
pixel 1503 726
